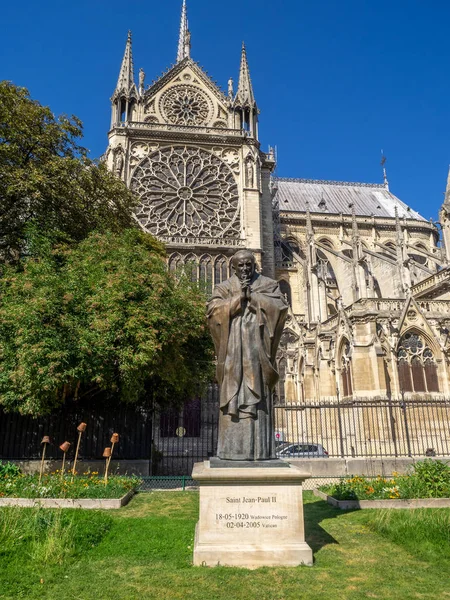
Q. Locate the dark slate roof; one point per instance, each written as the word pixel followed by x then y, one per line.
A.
pixel 336 197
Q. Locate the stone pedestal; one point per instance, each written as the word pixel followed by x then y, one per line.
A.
pixel 250 517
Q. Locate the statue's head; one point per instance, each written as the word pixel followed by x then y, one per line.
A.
pixel 244 263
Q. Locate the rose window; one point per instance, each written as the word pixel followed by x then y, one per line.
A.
pixel 186 192
pixel 185 105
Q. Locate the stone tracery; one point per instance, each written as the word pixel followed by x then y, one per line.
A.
pixel 185 105
pixel 186 191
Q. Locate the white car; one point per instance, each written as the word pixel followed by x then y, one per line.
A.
pixel 301 450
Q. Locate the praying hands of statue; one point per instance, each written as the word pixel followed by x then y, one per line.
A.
pixel 246 290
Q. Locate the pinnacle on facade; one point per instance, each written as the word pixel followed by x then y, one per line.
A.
pixel 184 42
pixel 244 95
pixel 126 75
pixel 447 191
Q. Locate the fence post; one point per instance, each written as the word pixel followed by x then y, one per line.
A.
pixel 341 438
pixel 405 419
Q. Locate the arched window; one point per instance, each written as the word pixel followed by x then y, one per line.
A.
pixel 285 289
pixel 346 370
pixel 327 243
pixel 175 262
pixel 122 110
pixel 419 258
pixel 205 273
pixel 417 369
pixel 191 267
pixel 288 248
pixel 331 309
pixel 325 270
pixel 220 270
pixel 131 109
pixel 348 253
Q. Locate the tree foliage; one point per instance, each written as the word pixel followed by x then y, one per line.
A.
pixel 47 179
pixel 103 316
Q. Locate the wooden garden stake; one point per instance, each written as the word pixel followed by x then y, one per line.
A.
pixel 45 441
pixel 107 454
pixel 114 440
pixel 64 447
pixel 81 428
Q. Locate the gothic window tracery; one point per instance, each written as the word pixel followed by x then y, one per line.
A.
pixel 205 273
pixel 191 267
pixel 288 248
pixel 185 105
pixel 417 368
pixel 186 191
pixel 220 269
pixel 175 262
pixel 325 270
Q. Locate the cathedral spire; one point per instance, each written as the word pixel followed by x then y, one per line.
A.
pixel 126 75
pixel 244 95
pixel 184 42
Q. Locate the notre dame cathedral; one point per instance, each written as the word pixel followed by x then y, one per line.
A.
pixel 365 276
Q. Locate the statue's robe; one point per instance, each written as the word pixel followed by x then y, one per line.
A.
pixel 246 337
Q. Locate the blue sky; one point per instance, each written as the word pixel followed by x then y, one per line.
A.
pixel 335 81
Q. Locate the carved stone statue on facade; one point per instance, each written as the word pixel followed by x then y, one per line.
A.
pixel 141 81
pixel 230 88
pixel 246 315
pixel 249 173
pixel 118 162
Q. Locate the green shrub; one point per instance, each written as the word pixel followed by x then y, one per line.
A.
pixel 9 469
pixel 427 479
pixel 430 479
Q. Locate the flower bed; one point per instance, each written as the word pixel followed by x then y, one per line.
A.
pixel 392 503
pixel 427 480
pixel 56 485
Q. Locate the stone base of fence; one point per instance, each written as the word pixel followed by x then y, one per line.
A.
pixel 315 467
pixel 118 467
pixel 369 467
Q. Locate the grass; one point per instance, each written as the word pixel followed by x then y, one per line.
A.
pixel 144 551
pixel 424 532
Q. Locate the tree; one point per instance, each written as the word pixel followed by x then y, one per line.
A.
pixel 101 317
pixel 47 179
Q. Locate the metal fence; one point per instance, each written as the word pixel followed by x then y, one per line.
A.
pixel 186 483
pixel 369 428
pixel 21 435
pixel 182 437
pixel 174 440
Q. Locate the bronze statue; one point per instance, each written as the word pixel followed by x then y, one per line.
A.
pixel 246 315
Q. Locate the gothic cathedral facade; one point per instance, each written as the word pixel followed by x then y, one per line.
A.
pixel 367 282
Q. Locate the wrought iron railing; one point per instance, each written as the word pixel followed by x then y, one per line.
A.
pixel 369 428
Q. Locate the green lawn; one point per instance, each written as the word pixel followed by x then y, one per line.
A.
pixel 144 551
